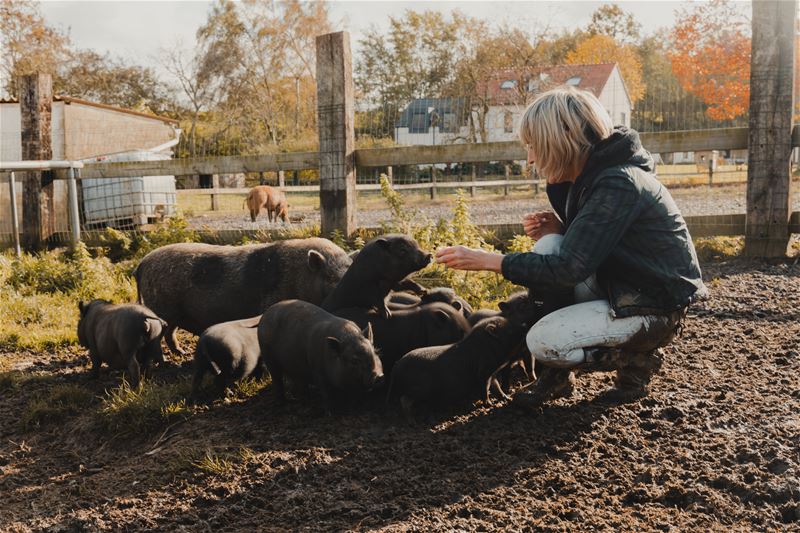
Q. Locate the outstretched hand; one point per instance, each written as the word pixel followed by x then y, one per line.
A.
pixel 463 258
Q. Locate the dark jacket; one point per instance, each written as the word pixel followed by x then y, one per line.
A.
pixel 622 224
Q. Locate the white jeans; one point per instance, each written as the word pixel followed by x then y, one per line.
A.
pixel 559 338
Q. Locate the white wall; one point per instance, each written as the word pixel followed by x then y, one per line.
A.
pixel 615 99
pixel 402 136
pixel 11 131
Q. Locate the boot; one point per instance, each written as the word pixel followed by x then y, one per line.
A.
pixel 553 383
pixel 633 377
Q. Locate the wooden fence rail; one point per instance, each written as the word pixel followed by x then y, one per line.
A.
pixel 658 142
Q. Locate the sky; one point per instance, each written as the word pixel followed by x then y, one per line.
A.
pixel 138 31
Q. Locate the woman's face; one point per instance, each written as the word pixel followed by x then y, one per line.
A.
pixel 532 160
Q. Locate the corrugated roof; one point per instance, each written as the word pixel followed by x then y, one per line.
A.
pixel 531 81
pixel 71 100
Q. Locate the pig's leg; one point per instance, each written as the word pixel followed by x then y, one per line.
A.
pixel 94 373
pixel 171 336
pixel 277 384
pixel 133 372
pixel 407 406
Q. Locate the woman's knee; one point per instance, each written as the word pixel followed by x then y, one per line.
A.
pixel 548 245
pixel 548 346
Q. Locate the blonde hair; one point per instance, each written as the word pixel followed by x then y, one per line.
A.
pixel 560 127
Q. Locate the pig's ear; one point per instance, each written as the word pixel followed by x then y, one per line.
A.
pixel 81 307
pixel 334 344
pixel 367 331
pixel 315 260
pixel 491 329
pixel 441 316
pixel 383 243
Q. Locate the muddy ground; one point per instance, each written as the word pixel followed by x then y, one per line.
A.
pixel 716 446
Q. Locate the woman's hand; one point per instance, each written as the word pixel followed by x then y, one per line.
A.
pixel 541 223
pixel 463 258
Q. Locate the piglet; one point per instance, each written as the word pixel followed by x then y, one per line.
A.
pixel 124 336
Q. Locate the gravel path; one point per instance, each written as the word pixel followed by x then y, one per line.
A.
pixel 692 201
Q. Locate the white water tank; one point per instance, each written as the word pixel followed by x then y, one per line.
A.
pixel 132 201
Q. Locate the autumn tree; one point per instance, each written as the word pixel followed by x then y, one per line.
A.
pixel 28 45
pixel 102 78
pixel 604 49
pixel 612 21
pixel 711 57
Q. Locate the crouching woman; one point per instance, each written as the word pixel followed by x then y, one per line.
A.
pixel 614 266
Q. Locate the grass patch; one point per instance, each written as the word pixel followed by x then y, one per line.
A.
pixel 61 401
pixel 713 249
pixel 128 411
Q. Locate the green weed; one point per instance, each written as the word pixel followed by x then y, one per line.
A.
pixel 710 249
pixel 61 401
pixel 128 411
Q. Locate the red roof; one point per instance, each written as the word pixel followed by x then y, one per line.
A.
pixel 533 81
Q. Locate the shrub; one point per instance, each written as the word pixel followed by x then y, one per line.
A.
pixel 480 289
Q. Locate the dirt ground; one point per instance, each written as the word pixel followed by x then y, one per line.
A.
pixel 716 446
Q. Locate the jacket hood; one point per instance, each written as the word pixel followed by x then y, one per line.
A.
pixel 622 146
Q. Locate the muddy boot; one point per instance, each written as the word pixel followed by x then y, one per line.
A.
pixel 633 377
pixel 553 383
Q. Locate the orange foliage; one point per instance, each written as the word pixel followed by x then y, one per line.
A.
pixel 711 57
pixel 604 49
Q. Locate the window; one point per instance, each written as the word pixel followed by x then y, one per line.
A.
pixel 419 122
pixel 574 81
pixel 449 123
pixel 508 122
pixel 508 84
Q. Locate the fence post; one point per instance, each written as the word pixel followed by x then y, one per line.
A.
pixel 281 179
pixel 770 129
pixel 335 111
pixel 389 175
pixel 433 183
pixel 474 177
pixel 12 189
pixel 507 170
pixel 214 197
pixel 38 210
pixel 74 218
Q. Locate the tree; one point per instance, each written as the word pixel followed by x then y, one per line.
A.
pixel 101 78
pixel 28 44
pixel 711 57
pixel 611 20
pixel 604 49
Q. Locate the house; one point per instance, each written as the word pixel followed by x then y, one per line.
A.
pixel 431 121
pixel 82 130
pixel 508 93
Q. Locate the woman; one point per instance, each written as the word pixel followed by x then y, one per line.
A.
pixel 614 266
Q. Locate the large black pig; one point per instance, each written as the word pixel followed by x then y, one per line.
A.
pixel 124 336
pixel 193 286
pixel 309 345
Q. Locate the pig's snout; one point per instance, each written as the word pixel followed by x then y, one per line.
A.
pixel 426 259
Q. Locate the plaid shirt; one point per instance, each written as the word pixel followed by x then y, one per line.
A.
pixel 622 224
